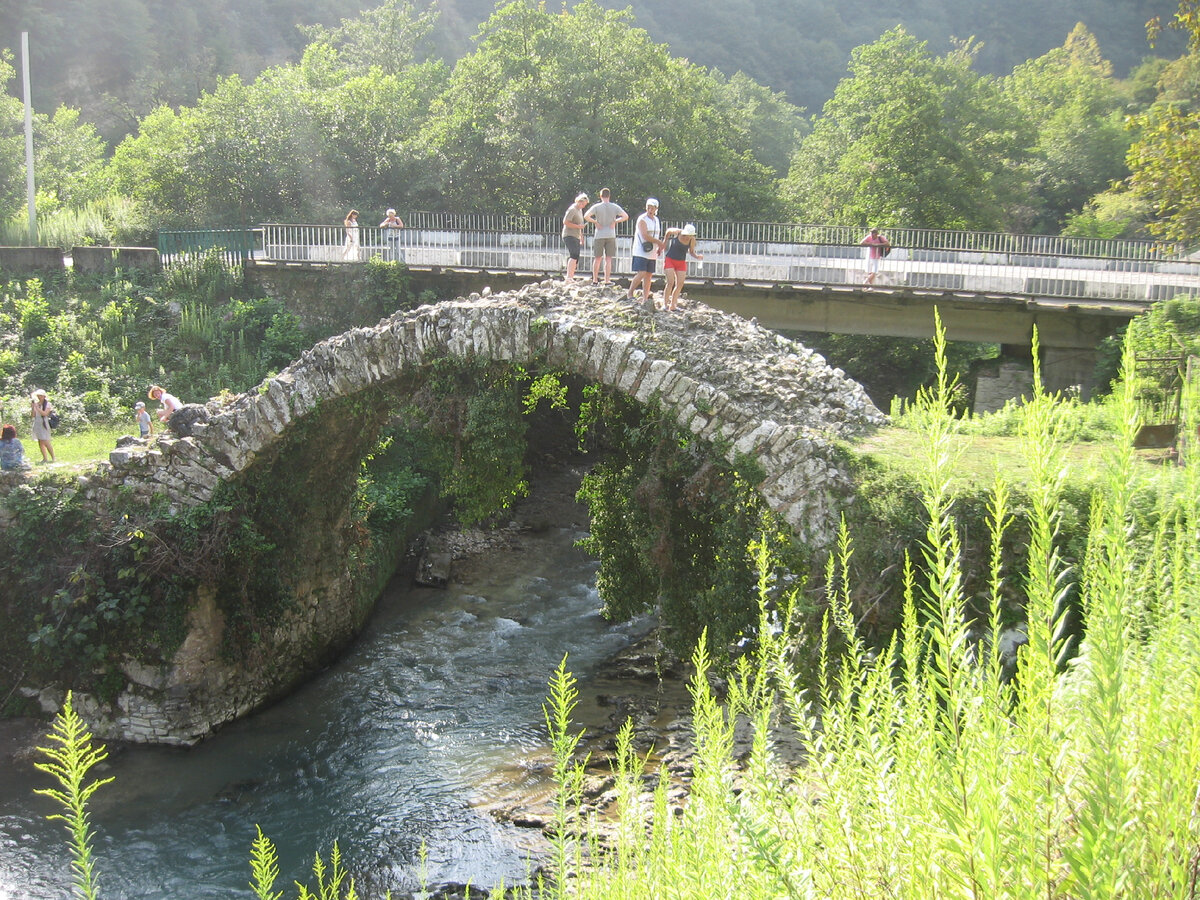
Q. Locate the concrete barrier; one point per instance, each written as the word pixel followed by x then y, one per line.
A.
pixel 31 260
pixel 99 260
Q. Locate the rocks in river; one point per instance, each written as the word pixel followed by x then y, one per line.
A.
pixel 433 569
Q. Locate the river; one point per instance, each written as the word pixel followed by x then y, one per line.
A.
pixel 434 710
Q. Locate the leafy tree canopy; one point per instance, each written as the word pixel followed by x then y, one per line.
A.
pixel 68 154
pixel 562 102
pixel 1075 107
pixel 299 141
pixel 909 138
pixel 1165 159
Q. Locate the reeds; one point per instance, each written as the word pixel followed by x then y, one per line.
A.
pixel 928 771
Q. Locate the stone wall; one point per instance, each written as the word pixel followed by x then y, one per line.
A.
pixel 101 260
pixel 86 260
pixel 31 260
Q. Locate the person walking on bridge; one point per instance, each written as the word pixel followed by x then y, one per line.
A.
pixel 572 233
pixel 605 216
pixel 877 248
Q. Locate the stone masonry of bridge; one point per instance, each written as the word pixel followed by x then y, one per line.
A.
pixel 725 379
pixel 743 388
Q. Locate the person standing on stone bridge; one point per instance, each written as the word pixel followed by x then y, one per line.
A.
pixel 606 216
pixel 646 247
pixel 572 233
pixel 681 243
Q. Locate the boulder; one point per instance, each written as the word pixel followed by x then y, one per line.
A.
pixel 184 419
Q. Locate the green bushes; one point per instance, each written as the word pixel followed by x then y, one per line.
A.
pixel 77 596
pixel 96 344
pixel 670 524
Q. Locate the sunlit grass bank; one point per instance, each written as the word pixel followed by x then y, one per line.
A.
pixel 77 449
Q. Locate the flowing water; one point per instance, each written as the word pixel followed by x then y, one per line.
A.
pixel 387 752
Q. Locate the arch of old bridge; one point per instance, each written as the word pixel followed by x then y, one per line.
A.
pixel 741 387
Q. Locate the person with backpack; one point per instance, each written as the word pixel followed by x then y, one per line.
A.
pixel 877 248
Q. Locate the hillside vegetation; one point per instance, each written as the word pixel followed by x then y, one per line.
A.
pixel 118 61
pixel 906 128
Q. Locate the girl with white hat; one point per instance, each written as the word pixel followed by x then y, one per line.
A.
pixel 40 410
pixel 680 243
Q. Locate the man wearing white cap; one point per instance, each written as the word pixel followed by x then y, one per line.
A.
pixel 646 247
pixel 391 226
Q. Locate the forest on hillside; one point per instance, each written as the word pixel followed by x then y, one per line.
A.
pixel 118 60
pixel 549 100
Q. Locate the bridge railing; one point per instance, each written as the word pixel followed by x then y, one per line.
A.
pixel 486 230
pixel 233 245
pixel 977 262
pixel 828 235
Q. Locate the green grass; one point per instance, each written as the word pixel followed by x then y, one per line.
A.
pixel 980 457
pixel 79 448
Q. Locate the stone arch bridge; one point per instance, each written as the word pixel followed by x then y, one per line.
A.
pixel 732 383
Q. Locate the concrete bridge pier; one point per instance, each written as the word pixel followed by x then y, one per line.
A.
pixel 1064 369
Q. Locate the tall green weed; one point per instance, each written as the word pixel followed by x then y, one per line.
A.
pixel 928 772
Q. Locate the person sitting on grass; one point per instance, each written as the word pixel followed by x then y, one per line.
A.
pixel 12 451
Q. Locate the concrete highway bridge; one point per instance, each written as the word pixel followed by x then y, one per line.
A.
pixel 987 287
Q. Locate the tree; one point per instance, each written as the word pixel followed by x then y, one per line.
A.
pixel 1074 106
pixel 1164 161
pixel 773 125
pixel 389 37
pixel 552 103
pixel 68 154
pixel 299 142
pixel 69 158
pixel 909 139
pixel 1165 166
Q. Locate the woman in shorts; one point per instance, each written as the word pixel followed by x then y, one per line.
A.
pixel 572 233
pixel 681 242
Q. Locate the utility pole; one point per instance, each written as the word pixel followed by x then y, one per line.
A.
pixel 28 141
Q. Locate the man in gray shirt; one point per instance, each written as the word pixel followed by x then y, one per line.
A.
pixel 606 216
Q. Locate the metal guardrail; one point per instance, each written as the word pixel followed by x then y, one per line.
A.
pixel 976 262
pixel 829 235
pixel 233 245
